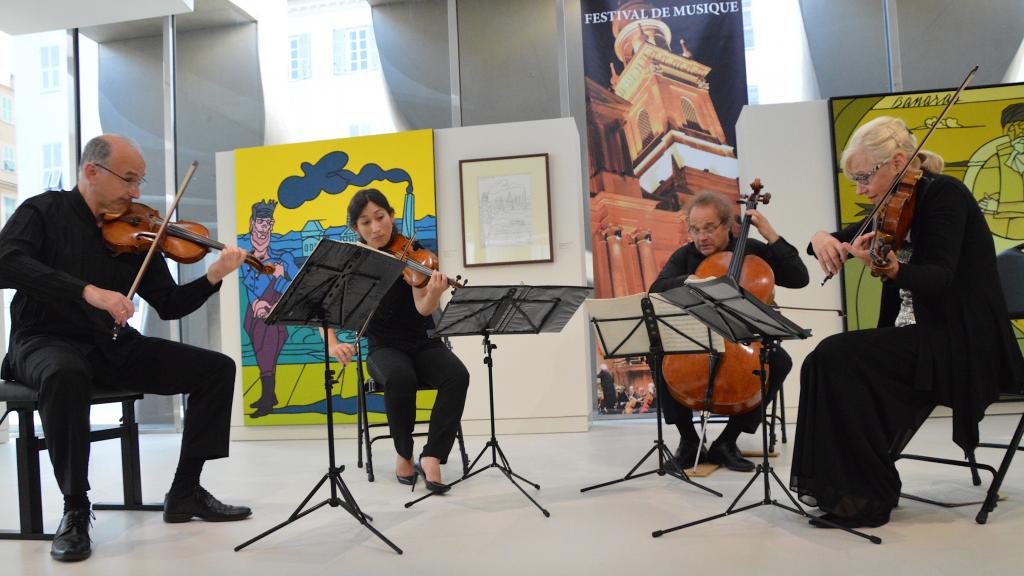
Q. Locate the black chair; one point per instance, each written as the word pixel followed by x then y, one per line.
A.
pixel 364 427
pixel 1011 276
pixel 23 400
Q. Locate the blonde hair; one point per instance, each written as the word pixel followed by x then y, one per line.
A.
pixel 881 138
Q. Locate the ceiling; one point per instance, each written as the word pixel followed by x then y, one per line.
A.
pixel 109 20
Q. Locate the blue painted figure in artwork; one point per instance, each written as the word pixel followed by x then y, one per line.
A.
pixel 264 290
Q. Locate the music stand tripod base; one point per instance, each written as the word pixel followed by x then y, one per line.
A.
pixel 338 287
pixel 520 309
pixel 616 323
pixel 492 444
pixel 740 317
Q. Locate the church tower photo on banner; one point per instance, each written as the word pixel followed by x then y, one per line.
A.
pixel 665 83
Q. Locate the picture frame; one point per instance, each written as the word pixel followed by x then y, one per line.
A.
pixel 506 210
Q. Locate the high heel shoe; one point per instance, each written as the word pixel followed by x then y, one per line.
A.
pixel 435 487
pixel 406 480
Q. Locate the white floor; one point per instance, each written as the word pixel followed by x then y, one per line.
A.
pixel 485 526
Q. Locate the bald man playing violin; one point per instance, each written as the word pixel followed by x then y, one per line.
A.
pixel 70 293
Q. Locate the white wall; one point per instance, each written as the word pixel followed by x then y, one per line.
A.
pixel 787 146
pixel 542 382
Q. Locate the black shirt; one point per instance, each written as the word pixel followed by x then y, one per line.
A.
pixel 397 323
pixel 781 256
pixel 51 248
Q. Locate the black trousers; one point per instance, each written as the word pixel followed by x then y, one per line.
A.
pixel 65 373
pixel 858 410
pixel 779 365
pixel 401 373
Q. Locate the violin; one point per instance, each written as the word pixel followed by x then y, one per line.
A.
pixel 893 218
pixel 420 263
pixel 133 231
pixel 736 387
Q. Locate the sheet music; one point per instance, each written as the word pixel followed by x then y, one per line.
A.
pixel 621 329
pixel 679 323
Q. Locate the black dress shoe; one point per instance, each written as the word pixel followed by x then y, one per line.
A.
pixel 728 455
pixel 407 480
pixel 435 487
pixel 71 542
pixel 686 453
pixel 201 504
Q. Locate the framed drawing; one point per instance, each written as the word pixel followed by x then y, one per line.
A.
pixel 506 210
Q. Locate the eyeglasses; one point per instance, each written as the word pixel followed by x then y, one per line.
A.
pixel 705 231
pixel 864 178
pixel 128 181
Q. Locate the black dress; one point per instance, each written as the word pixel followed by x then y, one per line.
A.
pixel 864 393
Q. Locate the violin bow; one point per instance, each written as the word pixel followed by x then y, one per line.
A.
pixel 159 236
pixel 903 171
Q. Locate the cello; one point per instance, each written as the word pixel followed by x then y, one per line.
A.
pixel 727 382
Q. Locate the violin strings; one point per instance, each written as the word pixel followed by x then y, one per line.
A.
pixel 186 234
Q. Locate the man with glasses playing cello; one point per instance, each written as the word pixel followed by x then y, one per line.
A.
pixel 710 218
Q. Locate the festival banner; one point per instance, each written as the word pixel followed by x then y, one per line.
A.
pixel 982 142
pixel 665 83
pixel 289 197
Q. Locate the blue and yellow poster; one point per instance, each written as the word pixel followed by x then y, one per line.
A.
pixel 289 197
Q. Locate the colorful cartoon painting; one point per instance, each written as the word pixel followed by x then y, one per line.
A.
pixel 289 197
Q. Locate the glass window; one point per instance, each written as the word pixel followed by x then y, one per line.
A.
pixel 299 65
pixel 753 96
pixel 51 166
pixel 748 26
pixel 8 160
pixel 646 134
pixel 334 98
pixel 7 109
pixel 9 203
pixel 773 32
pixel 49 68
pixel 354 50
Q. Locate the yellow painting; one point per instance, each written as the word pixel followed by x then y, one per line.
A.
pixel 982 142
pixel 289 197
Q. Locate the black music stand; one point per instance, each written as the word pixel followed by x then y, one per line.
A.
pixel 632 327
pixel 487 310
pixel 737 316
pixel 338 287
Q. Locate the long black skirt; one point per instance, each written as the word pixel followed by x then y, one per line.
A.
pixel 858 410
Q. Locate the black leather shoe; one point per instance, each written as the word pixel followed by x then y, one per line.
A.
pixel 201 504
pixel 71 542
pixel 728 455
pixel 406 480
pixel 436 487
pixel 685 454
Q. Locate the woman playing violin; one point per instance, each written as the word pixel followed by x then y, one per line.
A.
pixel 404 353
pixel 943 337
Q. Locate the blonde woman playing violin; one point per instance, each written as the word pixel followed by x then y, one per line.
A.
pixel 943 337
